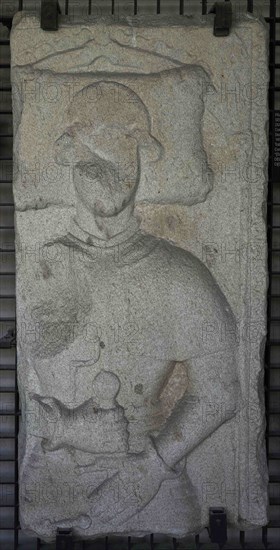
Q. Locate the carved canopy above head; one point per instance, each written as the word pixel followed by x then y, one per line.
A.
pixel 167 88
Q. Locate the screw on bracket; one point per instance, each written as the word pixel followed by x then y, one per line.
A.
pixel 64 539
pixel 218 526
pixel 49 15
pixel 223 18
pixel 9 339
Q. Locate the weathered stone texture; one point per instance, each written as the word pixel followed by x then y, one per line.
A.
pixel 140 168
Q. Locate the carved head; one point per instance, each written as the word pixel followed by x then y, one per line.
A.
pixel 108 124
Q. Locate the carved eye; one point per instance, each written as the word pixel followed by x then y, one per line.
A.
pixel 67 136
pixel 63 141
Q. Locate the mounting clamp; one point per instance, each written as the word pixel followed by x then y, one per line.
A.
pixel 64 539
pixel 223 18
pixel 218 526
pixel 9 339
pixel 49 15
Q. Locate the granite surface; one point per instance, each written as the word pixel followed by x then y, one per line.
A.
pixel 140 173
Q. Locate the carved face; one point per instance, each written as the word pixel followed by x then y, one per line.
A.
pixel 108 124
pixel 105 167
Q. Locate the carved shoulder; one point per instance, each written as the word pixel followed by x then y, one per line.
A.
pixel 199 310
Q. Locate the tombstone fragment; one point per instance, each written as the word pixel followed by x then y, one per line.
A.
pixel 140 157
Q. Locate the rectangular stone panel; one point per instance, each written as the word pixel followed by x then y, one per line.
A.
pixel 140 173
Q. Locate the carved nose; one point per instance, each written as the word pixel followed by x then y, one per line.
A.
pixel 64 141
pixel 63 148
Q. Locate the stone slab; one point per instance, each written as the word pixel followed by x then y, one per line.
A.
pixel 140 174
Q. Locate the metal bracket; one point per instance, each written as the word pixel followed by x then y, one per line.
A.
pixel 9 339
pixel 223 18
pixel 64 539
pixel 7 22
pixel 49 15
pixel 218 526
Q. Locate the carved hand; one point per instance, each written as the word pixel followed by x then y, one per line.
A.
pixel 138 480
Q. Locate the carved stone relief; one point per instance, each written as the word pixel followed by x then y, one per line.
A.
pixel 139 181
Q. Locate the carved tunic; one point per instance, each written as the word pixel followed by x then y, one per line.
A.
pixel 90 335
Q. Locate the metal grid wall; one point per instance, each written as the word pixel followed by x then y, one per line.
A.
pixel 11 537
